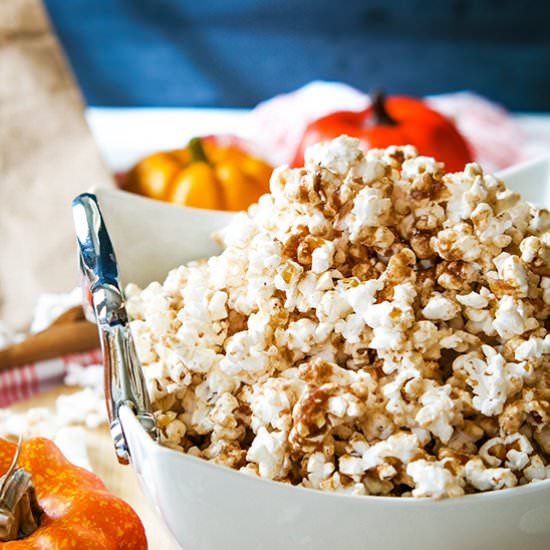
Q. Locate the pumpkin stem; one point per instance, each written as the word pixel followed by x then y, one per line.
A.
pixel 19 509
pixel 197 150
pixel 380 114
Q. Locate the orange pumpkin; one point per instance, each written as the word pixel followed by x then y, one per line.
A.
pixel 396 120
pixel 60 505
pixel 205 174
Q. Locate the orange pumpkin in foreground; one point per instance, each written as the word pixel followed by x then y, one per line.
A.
pixel 72 507
pixel 205 174
pixel 396 120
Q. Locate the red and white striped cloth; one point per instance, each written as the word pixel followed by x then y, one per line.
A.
pixel 23 382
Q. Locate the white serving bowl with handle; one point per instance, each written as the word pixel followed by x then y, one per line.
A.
pixel 210 507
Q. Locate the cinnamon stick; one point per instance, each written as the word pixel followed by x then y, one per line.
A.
pixel 69 333
pixel 75 313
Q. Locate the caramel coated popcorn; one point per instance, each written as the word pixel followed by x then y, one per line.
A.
pixel 373 326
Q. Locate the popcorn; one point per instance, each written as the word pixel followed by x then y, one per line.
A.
pixel 72 414
pixel 322 257
pixel 269 453
pixel 432 479
pixel 402 446
pixel 457 243
pixel 536 469
pixel 440 308
pixel 513 451
pixel 512 272
pixel 86 406
pixel 491 378
pixel 373 326
pixel 533 348
pixel 491 229
pixel 476 300
pixel 487 479
pixel 370 209
pixel 318 470
pixel 438 412
pixel 511 318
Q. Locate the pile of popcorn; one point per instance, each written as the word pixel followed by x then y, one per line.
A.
pixel 373 326
pixel 67 422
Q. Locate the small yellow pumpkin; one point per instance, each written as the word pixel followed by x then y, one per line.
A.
pixel 205 174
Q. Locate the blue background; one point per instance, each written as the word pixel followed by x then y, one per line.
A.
pixel 236 53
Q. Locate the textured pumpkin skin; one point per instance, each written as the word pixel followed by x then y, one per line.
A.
pixel 79 512
pixel 414 124
pixel 229 178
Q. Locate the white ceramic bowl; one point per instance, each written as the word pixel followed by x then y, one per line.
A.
pixel 206 506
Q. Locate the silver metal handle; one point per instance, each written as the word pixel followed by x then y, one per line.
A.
pixel 124 382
